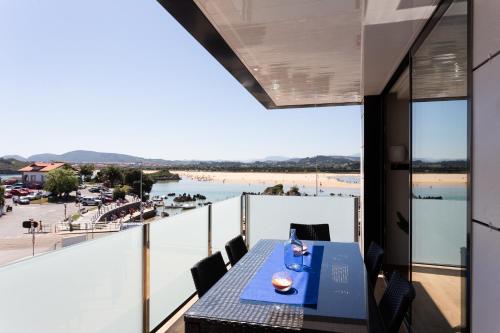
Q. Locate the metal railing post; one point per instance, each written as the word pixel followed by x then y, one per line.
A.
pixel 242 209
pixel 145 278
pixel 247 220
pixel 356 219
pixel 210 229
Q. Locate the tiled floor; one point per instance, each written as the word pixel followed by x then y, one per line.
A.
pixel 438 304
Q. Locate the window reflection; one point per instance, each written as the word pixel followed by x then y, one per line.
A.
pixel 439 165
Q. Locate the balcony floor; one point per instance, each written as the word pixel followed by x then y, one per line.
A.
pixel 438 305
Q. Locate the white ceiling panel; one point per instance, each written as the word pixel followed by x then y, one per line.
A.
pixel 389 29
pixel 302 52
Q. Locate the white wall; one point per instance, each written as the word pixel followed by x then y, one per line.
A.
pixel 38 176
pixel 486 169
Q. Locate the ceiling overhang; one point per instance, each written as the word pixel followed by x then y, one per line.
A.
pixel 302 53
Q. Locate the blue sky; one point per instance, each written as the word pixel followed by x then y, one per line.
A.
pixel 123 76
pixel 440 130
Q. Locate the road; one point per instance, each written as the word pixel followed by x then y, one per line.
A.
pixel 16 242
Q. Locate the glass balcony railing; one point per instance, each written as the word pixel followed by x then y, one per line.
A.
pixel 133 280
pixel 439 232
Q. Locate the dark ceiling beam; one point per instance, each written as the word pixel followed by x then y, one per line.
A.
pixel 190 16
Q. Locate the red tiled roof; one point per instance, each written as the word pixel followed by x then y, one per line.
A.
pixel 41 167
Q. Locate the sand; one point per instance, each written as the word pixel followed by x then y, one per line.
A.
pixel 448 179
pixel 325 180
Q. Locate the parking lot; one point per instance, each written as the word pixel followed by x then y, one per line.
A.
pixel 16 242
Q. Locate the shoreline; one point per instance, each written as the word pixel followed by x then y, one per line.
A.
pixel 325 180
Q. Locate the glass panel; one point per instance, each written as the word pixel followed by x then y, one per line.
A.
pixel 95 286
pixel 226 216
pixel 439 175
pixel 270 216
pixel 176 244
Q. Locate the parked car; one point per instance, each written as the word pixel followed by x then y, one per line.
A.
pixel 10 181
pixel 20 191
pixel 46 194
pixel 107 193
pixel 106 199
pixel 95 189
pixel 8 187
pixel 8 195
pixel 24 200
pixel 34 195
pixel 90 201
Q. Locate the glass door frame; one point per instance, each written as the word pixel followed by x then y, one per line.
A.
pixel 438 13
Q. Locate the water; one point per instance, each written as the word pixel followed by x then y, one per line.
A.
pixel 456 192
pixel 218 191
pixel 7 176
pixel 348 179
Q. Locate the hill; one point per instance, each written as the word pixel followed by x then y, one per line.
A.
pixel 308 164
pixel 15 157
pixel 87 156
pixel 10 165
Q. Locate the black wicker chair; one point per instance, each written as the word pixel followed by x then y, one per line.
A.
pixel 373 262
pixel 319 232
pixel 395 303
pixel 207 272
pixel 236 249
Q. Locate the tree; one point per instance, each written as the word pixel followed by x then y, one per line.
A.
pixel 120 192
pixel 133 179
pixel 274 190
pixel 294 191
pixel 87 170
pixel 113 174
pixel 61 181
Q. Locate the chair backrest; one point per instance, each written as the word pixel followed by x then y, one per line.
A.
pixel 236 249
pixel 395 302
pixel 373 262
pixel 207 272
pixel 319 232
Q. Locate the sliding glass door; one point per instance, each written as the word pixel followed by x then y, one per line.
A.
pixel 439 174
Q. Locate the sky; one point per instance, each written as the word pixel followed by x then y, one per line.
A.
pixel 125 77
pixel 440 130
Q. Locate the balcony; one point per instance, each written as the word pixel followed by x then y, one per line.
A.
pixel 137 279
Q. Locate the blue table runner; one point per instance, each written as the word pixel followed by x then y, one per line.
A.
pixel 305 284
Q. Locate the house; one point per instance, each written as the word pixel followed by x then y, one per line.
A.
pixel 35 174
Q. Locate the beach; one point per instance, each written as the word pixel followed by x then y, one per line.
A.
pixel 444 179
pixel 325 180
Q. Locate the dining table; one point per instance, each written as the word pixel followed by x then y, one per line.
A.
pixel 342 302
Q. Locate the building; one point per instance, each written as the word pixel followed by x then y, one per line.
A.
pixel 419 69
pixel 35 174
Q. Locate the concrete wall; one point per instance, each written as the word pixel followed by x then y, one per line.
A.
pixel 486 168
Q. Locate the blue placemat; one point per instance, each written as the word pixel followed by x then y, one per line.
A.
pixel 305 284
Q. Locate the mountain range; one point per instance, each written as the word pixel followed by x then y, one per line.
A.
pixel 87 156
